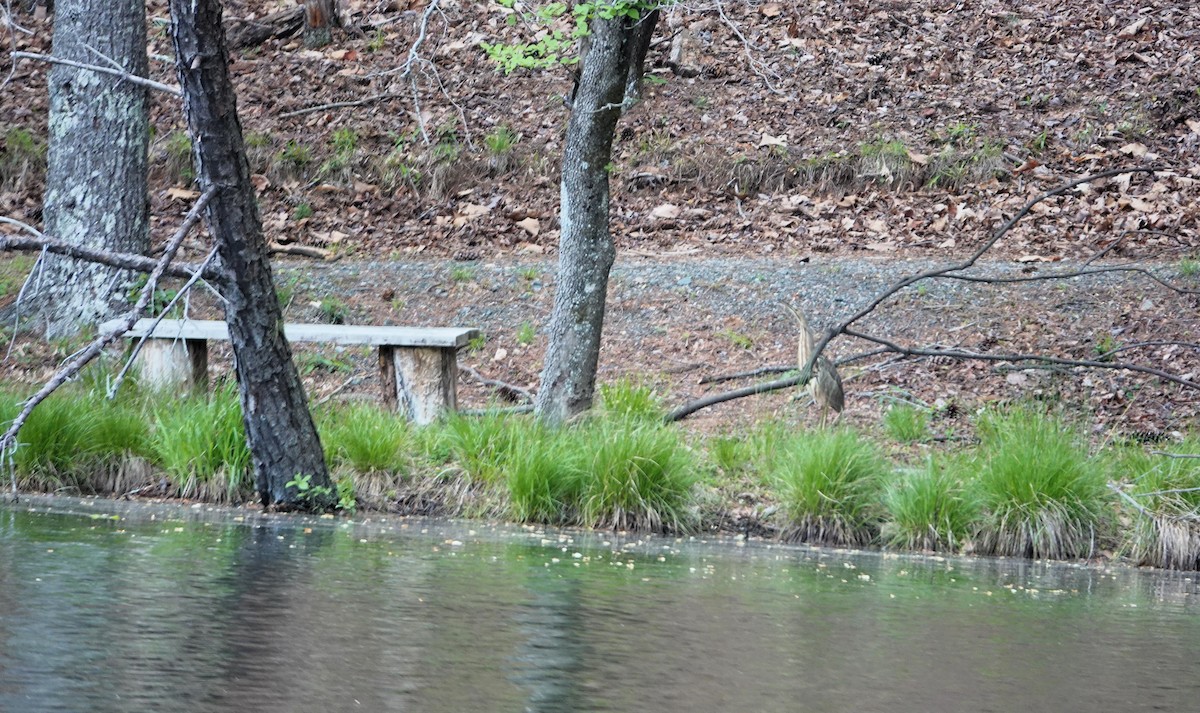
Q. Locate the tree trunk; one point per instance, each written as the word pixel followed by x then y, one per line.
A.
pixel 279 430
pixel 96 191
pixel 586 249
pixel 319 18
pixel 639 44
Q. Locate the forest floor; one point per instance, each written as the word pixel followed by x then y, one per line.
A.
pixel 820 152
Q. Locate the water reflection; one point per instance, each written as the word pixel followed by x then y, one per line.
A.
pixel 207 614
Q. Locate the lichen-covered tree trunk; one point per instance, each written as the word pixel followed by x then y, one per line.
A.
pixel 586 249
pixel 96 191
pixel 279 429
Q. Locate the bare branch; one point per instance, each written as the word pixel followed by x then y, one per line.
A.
pixel 126 261
pixel 133 78
pixel 112 390
pixel 84 357
pixel 975 356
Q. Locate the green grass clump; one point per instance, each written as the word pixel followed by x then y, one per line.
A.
pixel 906 423
pixel 366 439
pixel 829 485
pixel 1164 506
pixel 200 443
pixel 629 399
pixel 929 509
pixel 76 440
pixel 1039 492
pixel 634 476
pixel 482 446
pixel 542 477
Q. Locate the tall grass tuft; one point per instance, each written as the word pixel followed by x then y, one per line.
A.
pixel 633 475
pixel 375 444
pixel 929 509
pixel 625 398
pixel 906 423
pixel 200 443
pixel 77 440
pixel 366 438
pixel 1039 492
pixel 829 484
pixel 543 477
pixel 1164 504
pixel 482 446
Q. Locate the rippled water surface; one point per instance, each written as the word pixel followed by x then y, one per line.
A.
pixel 110 607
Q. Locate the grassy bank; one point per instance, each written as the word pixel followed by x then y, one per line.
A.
pixel 1029 485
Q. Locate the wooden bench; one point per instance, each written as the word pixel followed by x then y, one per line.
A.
pixel 418 365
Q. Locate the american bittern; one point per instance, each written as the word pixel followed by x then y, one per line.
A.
pixel 825 385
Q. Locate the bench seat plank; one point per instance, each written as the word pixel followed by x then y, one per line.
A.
pixel 442 337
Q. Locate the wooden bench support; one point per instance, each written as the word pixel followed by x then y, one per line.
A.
pixel 418 366
pixel 174 364
pixel 421 383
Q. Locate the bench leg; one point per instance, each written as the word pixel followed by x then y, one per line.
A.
pixel 174 363
pixel 420 383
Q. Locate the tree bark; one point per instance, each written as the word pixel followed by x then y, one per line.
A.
pixel 279 429
pixel 639 44
pixel 96 194
pixel 320 16
pixel 586 249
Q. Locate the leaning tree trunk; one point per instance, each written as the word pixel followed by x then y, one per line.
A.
pixel 96 192
pixel 279 429
pixel 586 249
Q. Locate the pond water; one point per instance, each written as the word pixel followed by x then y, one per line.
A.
pixel 115 607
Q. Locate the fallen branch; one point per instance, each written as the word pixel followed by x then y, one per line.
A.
pixel 248 33
pixel 304 251
pixel 510 391
pixel 132 78
pixel 112 390
pixel 85 356
pixel 340 105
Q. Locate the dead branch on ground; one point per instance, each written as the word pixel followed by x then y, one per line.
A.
pixel 505 389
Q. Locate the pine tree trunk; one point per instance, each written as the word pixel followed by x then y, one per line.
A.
pixel 279 429
pixel 96 191
pixel 586 249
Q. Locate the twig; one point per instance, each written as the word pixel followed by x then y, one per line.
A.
pixel 975 356
pixel 783 369
pixel 133 78
pixel 344 385
pixel 1129 499
pixel 1176 455
pixel 510 390
pixel 137 348
pixel 757 66
pixel 8 440
pixel 340 105
pixel 761 371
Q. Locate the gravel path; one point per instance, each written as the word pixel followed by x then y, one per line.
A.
pixel 672 322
